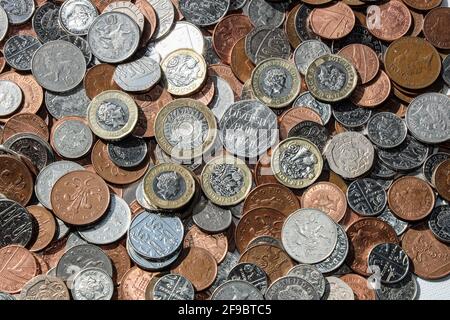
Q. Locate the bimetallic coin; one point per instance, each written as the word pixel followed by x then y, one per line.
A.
pixel 76 16
pixel 386 130
pixel 391 261
pixel 92 284
pixel 350 115
pixel 296 163
pixel 276 82
pixel 310 274
pixel 337 289
pixel 307 100
pixel 366 197
pixel 226 180
pixel 17 224
pixel 11 97
pixel 72 138
pixel 398 225
pixel 291 288
pixel 46 22
pixel 44 287
pixel 19 50
pixel 312 131
pixel 237 290
pixel 307 52
pixel 204 12
pixel 432 162
pixel 173 287
pixel 339 254
pixel 266 13
pixel 439 223
pixel 309 236
pixel 128 153
pixel 210 217
pixel 406 289
pixel 165 13
pixel 331 78
pixel 251 273
pixel 18 12
pixel 65 104
pixel 112 115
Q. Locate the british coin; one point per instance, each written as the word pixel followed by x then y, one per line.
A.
pixel 216 244
pixel 46 22
pixel 446 70
pixel 391 260
pixel 44 287
pixel 74 239
pixel 321 230
pixel 373 93
pixel 3 23
pixel 139 75
pixel 140 198
pixel 381 171
pixel 302 24
pixel 72 138
pixel 439 223
pixel 386 130
pixel 291 288
pixel 364 59
pixel 71 103
pixel 112 115
pixel 310 274
pixel 360 35
pixel 223 97
pixel 306 99
pixel 350 155
pixel 267 50
pixel 166 14
pixel 204 13
pixel 210 54
pixel 17 224
pixel 406 289
pixel 337 289
pixel 307 52
pixel 366 197
pixel 58 66
pixel 226 181
pixel 253 40
pixel 12 97
pixel 237 290
pixel 350 115
pixel 134 283
pixel 162 157
pixel 441 181
pixel 432 162
pixel 428 118
pixel 18 13
pixel 92 284
pixel 324 24
pixel 6 296
pixel 419 5
pixel 399 225
pixel 359 286
pixel 434 27
pixel 62 229
pixel 276 82
pixel 18 266
pixel 296 163
pixel 19 50
pixel 185 129
pixel 331 78
pixel 46 227
pixel 77 16
pixel 111 44
pixel 211 218
pixel 265 13
pixel 81 44
pixel 150 264
pixel 237 4
pixel 173 287
pixel 338 256
pixel 130 9
pixel 129 152
pixel 250 273
pixel 311 131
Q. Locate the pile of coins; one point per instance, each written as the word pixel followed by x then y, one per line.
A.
pixel 223 149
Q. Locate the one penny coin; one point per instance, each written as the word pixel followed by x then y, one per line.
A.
pixel 441 178
pixel 332 22
pixel 134 283
pixel 25 123
pixel 216 244
pixel 47 227
pixel 241 65
pixel 294 116
pixel 423 5
pixel 263 170
pixel 206 93
pixel 360 286
pixel 436 26
pixel 364 59
pixel 373 93
pixel 17 267
pixel 120 260
pixel 99 78
pixel 16 180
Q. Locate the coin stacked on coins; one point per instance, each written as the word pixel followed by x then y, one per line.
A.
pixel 223 149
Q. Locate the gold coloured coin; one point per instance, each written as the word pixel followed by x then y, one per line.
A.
pixel 185 129
pixel 169 186
pixel 112 115
pixel 226 180
pixel 296 163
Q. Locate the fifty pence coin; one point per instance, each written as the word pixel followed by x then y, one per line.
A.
pixel 11 97
pixel 310 274
pixel 386 130
pixel 204 12
pixel 237 290
pixel 173 287
pixel 92 284
pixel 65 104
pixel 72 138
pixel 339 254
pixel 307 52
pixel 391 260
pixel 139 75
pixel 16 222
pixel 251 273
pixel 291 288
pixel 439 223
pixel 128 153
pixel 366 197
pixel 18 12
pixel 19 50
pixel 76 16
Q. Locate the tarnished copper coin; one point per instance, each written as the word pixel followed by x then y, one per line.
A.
pixel 241 65
pixel 17 267
pixel 80 197
pixel 43 266
pixel 134 283
pixel 198 266
pixel 120 260
pixel 47 227
pixel 294 116
pixel 99 78
pixel 373 93
pixel 16 180
pixel 258 222
pixel 363 236
pixel 430 258
pixel 332 22
pixel 436 27
pixel 360 286
pixel 274 196
pixel 417 23
pixel 423 5
pixel 364 59
pixel 441 178
pixel 326 197
pixel 25 123
pixel 263 170
pixel 216 244
pixel 411 198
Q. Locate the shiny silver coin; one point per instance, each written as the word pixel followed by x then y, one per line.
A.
pixel 391 260
pixel 81 44
pixel 65 104
pixel 223 97
pixel 139 75
pixel 291 288
pixel 128 153
pixel 140 197
pixel 224 268
pixel 92 284
pixel 211 218
pixel 398 225
pixel 386 130
pixel 267 50
pixel 76 16
pixel 46 22
pixel 350 115
pixel 72 139
pixel 3 23
pixel 251 273
pixel 439 223
pixel 237 290
pixel 307 100
pixel 406 289
pixel 310 274
pixel 173 287
pixel 17 224
pixel 266 13
pixel 307 52
pixel 165 14
pixel 152 265
pixel 204 12
pixel 339 254
pixel 264 240
pixel 366 197
pixel 19 50
pixel 11 97
pixel 336 289
pixel 18 12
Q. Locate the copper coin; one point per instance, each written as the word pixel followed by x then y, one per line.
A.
pixel 47 227
pixel 198 266
pixel 332 22
pixel 227 74
pixel 227 32
pixel 216 244
pixel 289 27
pixel 42 265
pixel 16 180
pixel 178 15
pixel 330 176
pixel 2 62
pixel 120 260
pixel 258 222
pixel 206 93
pixel 54 252
pixel 151 20
pixel 25 123
pixel 316 2
pixel 360 287
pixel 389 21
pixel 349 218
pixel 263 170
pixel 17 267
pixel 273 196
pixel 135 208
pixel 430 258
pixel 241 65
pixel 33 94
pixel 412 63
pixel 423 5
pixel 441 178
pixel 80 197
pixel 134 282
pixel 360 18
pixel 272 259
pixel 364 59
pixel 326 197
pixel 417 23
pixel 106 169
pixel 99 78
pixel 411 198
pixel 373 93
pixel 294 116
pixel 436 27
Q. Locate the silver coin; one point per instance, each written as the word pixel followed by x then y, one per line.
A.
pixel 309 236
pixel 264 240
pixel 74 239
pixel 236 210
pixel 382 171
pixel 291 288
pixel 398 225
pixel 19 50
pixel 18 12
pixel 237 290
pixel 128 153
pixel 302 24
pixel 6 296
pixel 48 176
pixel 366 197
pixel 432 162
pixel 210 54
pixel 312 131
pixel 71 103
pixel 81 44
pixel 406 289
pixel 223 97
pixel 339 254
pixel 149 51
pixel 51 272
pixel 72 139
pixel 92 284
pixel 17 226
pixel 267 49
pixel 155 236
pixel 386 130
pixel 265 13
pixel 253 40
pixel 248 128
pixel 391 260
pixel 58 66
pixel 440 202
pixel 446 70
pixel 251 273
pixel 165 14
pixel 310 274
pixel 439 223
pixel 76 16
pixel 11 97
pixel 350 154
pixel 113 37
pixel 428 118
pixel 204 12
pixel 139 75
pixel 113 226
pixel 62 229
pixel 3 23
pixel 129 9
pixel 237 4
pixel 350 115
pixel 224 268
pixel 336 289
pixel 141 198
pixel 151 265
pixel 307 52
pixel 173 287
pixel 211 218
pixel 307 100
pixel 46 22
